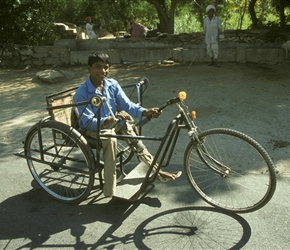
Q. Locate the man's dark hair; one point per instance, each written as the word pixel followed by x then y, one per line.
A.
pixel 97 57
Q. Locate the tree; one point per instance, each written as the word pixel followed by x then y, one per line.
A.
pixel 165 14
pixel 31 22
pixel 253 13
pixel 27 22
pixel 280 7
pixel 115 15
pixel 200 9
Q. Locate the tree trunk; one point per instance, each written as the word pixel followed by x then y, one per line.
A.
pixel 253 13
pixel 243 14
pixel 166 20
pixel 200 12
pixel 281 13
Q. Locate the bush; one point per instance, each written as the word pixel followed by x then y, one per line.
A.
pixel 27 22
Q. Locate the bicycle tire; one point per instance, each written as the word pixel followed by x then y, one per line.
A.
pixel 10 56
pixel 230 170
pixel 66 171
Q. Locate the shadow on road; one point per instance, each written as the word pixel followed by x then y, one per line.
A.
pixel 37 217
pixel 193 228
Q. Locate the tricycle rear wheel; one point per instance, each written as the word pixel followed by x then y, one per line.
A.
pixel 59 161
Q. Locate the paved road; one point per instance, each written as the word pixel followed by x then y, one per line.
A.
pixel 30 219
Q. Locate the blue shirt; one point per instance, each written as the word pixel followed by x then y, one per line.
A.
pixel 115 98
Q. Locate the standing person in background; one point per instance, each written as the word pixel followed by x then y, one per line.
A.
pixel 89 27
pixel 212 27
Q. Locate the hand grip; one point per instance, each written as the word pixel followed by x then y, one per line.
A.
pixel 143 80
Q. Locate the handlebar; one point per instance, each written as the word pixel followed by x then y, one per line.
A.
pixel 181 97
pixel 97 101
pixel 143 80
pixel 169 102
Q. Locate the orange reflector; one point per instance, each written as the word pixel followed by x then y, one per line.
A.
pixel 193 115
pixel 182 95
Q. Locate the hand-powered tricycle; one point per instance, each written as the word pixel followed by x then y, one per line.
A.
pixel 227 168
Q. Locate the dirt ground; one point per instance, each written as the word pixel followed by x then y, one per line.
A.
pixel 252 98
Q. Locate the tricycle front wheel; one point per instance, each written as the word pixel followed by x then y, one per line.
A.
pixel 230 170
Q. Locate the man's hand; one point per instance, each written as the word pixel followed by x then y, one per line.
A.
pixel 124 115
pixel 152 112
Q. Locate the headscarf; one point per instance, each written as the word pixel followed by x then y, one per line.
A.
pixel 210 7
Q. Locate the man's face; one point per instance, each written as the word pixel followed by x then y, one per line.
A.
pixel 210 12
pixel 98 71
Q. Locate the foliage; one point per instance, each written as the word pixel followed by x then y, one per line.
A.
pixel 32 21
pixel 27 22
pixel 186 21
pixel 123 11
pixel 235 16
pixel 276 34
pixel 112 15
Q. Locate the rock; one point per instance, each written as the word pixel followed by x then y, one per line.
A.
pixel 136 64
pixel 167 62
pixel 53 76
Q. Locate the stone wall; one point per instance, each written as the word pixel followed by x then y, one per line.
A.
pixel 234 47
pixel 150 51
pixel 45 55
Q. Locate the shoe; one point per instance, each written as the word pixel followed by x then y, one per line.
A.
pixel 211 64
pixel 175 175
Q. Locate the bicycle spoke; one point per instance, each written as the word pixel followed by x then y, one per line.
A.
pixel 230 171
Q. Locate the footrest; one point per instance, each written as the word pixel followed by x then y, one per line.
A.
pixel 131 184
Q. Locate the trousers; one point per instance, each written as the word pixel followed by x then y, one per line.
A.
pixel 109 146
pixel 212 50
